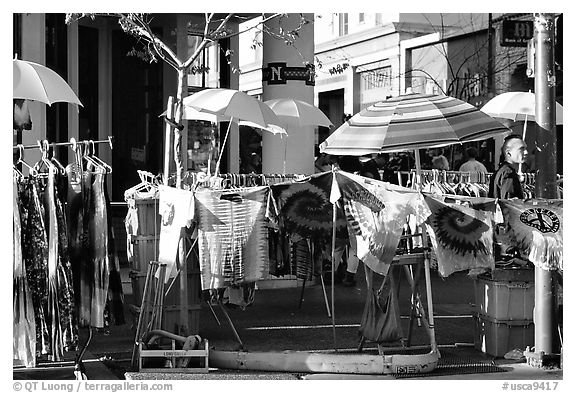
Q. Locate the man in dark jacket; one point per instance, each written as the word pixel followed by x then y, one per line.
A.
pixel 505 183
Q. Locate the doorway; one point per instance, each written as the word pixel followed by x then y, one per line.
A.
pixel 331 103
pixel 136 106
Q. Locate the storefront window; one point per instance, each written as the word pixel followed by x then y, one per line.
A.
pixel 203 146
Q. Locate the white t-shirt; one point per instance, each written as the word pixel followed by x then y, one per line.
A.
pixel 473 166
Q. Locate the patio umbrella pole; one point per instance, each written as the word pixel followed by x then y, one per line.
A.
pixel 333 268
pixel 426 261
pixel 217 169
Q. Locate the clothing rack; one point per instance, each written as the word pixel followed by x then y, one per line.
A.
pixel 193 180
pixel 442 175
pixel 88 151
pixel 72 142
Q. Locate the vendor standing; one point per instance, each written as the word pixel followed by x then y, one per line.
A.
pixel 505 183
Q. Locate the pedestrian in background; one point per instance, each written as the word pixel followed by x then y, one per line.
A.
pixel 472 165
pixel 372 167
pixel 439 161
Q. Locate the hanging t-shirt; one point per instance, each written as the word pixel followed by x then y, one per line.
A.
pixel 177 210
pixel 376 213
pixel 232 236
pixel 536 227
pixel 462 237
pixel 305 207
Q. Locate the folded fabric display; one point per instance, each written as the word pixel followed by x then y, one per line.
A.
pixel 232 236
pixel 536 227
pixel 376 213
pixel 462 237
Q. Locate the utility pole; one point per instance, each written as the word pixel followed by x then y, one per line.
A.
pixel 545 322
pixel 490 70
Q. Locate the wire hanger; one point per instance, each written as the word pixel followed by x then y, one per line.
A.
pixel 88 156
pixel 20 160
pixel 44 161
pixel 97 159
pixel 58 166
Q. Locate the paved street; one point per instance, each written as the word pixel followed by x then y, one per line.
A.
pixel 275 323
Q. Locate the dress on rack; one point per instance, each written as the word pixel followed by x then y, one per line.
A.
pixel 54 312
pixel 98 243
pixel 68 318
pixel 35 258
pixel 77 197
pixel 24 327
pixel 115 302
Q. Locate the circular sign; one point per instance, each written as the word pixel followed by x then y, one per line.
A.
pixel 544 220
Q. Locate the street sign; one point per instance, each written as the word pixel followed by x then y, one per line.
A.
pixel 516 32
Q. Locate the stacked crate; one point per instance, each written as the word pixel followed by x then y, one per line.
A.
pixel 504 311
pixel 145 248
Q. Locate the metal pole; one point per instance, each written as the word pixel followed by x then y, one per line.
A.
pixel 490 70
pixel 545 323
pixel 168 138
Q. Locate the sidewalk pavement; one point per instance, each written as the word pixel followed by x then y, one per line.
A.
pixel 279 321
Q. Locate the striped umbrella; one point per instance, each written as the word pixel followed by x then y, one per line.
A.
pixel 411 122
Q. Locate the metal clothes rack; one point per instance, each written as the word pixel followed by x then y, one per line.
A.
pixel 44 145
pixel 442 175
pixel 72 142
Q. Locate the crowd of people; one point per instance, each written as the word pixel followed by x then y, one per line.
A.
pixel 383 166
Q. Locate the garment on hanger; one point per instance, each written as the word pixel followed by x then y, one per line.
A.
pixel 279 251
pixel 536 227
pixel 114 311
pixel 24 327
pixel 68 318
pixel 232 236
pixel 301 257
pixel 54 312
pixel 376 213
pixel 306 209
pixel 77 249
pixel 98 235
pixel 177 211
pixel 35 257
pixel 462 237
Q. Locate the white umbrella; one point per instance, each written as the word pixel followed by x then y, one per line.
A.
pixel 234 105
pixel 517 106
pixel 298 113
pixel 36 82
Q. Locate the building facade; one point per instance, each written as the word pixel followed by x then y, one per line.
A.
pixel 359 59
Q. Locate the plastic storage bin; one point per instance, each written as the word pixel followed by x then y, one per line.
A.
pixel 496 338
pixel 504 300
